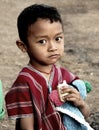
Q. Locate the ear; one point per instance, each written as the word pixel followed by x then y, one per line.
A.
pixel 21 46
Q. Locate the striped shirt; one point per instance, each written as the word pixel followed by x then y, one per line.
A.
pixel 29 95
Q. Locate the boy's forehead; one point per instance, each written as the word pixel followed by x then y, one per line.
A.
pixel 44 21
pixel 45 25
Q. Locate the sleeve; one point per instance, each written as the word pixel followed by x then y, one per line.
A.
pixel 18 101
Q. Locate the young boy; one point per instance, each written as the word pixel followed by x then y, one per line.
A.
pixel 42 37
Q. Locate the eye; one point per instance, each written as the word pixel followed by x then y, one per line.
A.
pixel 58 39
pixel 43 41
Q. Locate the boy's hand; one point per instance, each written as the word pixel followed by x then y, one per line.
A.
pixel 72 96
pixel 68 93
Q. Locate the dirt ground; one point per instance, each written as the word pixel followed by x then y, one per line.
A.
pixel 81 26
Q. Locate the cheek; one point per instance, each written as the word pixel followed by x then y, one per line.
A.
pixel 38 53
pixel 32 52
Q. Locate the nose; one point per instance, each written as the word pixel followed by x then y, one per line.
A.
pixel 52 46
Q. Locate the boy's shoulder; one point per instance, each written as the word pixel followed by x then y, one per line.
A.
pixel 63 69
pixel 66 74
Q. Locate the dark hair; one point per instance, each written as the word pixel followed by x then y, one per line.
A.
pixel 30 15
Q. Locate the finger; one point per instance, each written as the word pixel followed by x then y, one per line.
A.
pixel 69 90
pixel 74 98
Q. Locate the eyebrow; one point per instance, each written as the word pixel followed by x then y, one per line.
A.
pixel 60 33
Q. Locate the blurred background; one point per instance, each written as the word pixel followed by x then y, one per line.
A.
pixel 81 26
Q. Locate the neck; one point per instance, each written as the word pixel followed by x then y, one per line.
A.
pixel 45 70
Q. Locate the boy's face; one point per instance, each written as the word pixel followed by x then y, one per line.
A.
pixel 45 42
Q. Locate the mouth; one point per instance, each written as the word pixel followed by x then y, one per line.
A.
pixel 54 56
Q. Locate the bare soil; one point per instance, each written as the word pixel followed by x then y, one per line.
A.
pixel 81 26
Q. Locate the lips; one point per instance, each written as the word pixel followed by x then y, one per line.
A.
pixel 54 56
